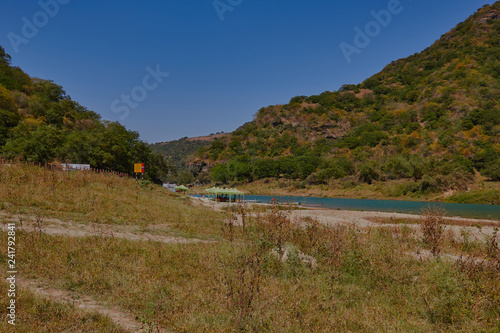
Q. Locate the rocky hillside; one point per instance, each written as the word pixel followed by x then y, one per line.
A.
pixel 432 118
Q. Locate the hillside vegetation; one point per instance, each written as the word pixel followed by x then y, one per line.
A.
pixel 40 123
pixel 432 119
pixel 177 153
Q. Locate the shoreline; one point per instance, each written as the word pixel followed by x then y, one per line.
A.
pixel 486 193
pixel 354 213
pixel 405 210
pixel 477 229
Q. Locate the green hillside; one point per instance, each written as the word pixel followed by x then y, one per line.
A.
pixel 432 118
pixel 179 150
pixel 40 123
pixel 177 153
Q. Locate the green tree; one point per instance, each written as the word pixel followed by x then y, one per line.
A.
pixel 219 173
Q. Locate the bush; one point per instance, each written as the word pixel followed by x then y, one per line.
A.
pixel 397 167
pixel 368 173
pixel 427 185
pixel 238 170
pixel 431 225
pixel 264 168
pixel 492 170
pixel 297 99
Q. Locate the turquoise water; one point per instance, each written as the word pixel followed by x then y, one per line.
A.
pixel 411 207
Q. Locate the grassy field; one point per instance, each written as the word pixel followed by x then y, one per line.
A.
pixel 99 198
pixel 270 274
pixel 41 315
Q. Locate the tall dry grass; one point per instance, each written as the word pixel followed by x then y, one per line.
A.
pixel 363 280
pixel 37 314
pixel 432 228
pixel 100 198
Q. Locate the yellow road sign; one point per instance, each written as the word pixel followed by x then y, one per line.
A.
pixel 139 168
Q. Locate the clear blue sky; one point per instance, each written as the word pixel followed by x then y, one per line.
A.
pixel 221 72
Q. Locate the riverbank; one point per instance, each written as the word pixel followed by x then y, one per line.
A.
pixel 474 230
pixel 362 219
pixel 481 192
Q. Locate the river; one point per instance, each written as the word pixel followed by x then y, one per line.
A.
pixel 411 207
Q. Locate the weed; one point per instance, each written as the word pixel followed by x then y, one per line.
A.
pixel 464 232
pixel 242 211
pixel 432 228
pixel 228 227
pixel 276 228
pixel 38 226
pixel 492 249
pixel 335 245
pixel 242 282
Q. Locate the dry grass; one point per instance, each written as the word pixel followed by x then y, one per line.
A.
pixel 362 280
pixel 100 198
pixel 39 315
pixel 432 228
pixel 446 221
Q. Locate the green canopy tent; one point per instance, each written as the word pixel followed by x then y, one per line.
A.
pixel 211 192
pixel 225 194
pixel 181 188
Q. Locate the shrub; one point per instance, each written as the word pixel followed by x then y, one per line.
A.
pixel 368 173
pixel 431 225
pixel 397 167
pixel 428 184
pixel 492 170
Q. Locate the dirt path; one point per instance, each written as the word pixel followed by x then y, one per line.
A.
pixel 155 233
pixel 74 229
pixel 119 317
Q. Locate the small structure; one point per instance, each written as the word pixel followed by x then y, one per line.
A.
pixel 170 187
pixel 182 189
pixel 75 167
pixel 225 194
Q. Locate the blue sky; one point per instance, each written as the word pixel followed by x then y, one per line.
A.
pixel 225 59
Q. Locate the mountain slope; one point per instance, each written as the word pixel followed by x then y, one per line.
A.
pixel 432 117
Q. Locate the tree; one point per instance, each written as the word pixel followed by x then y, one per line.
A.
pixel 38 143
pixel 368 173
pixel 219 173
